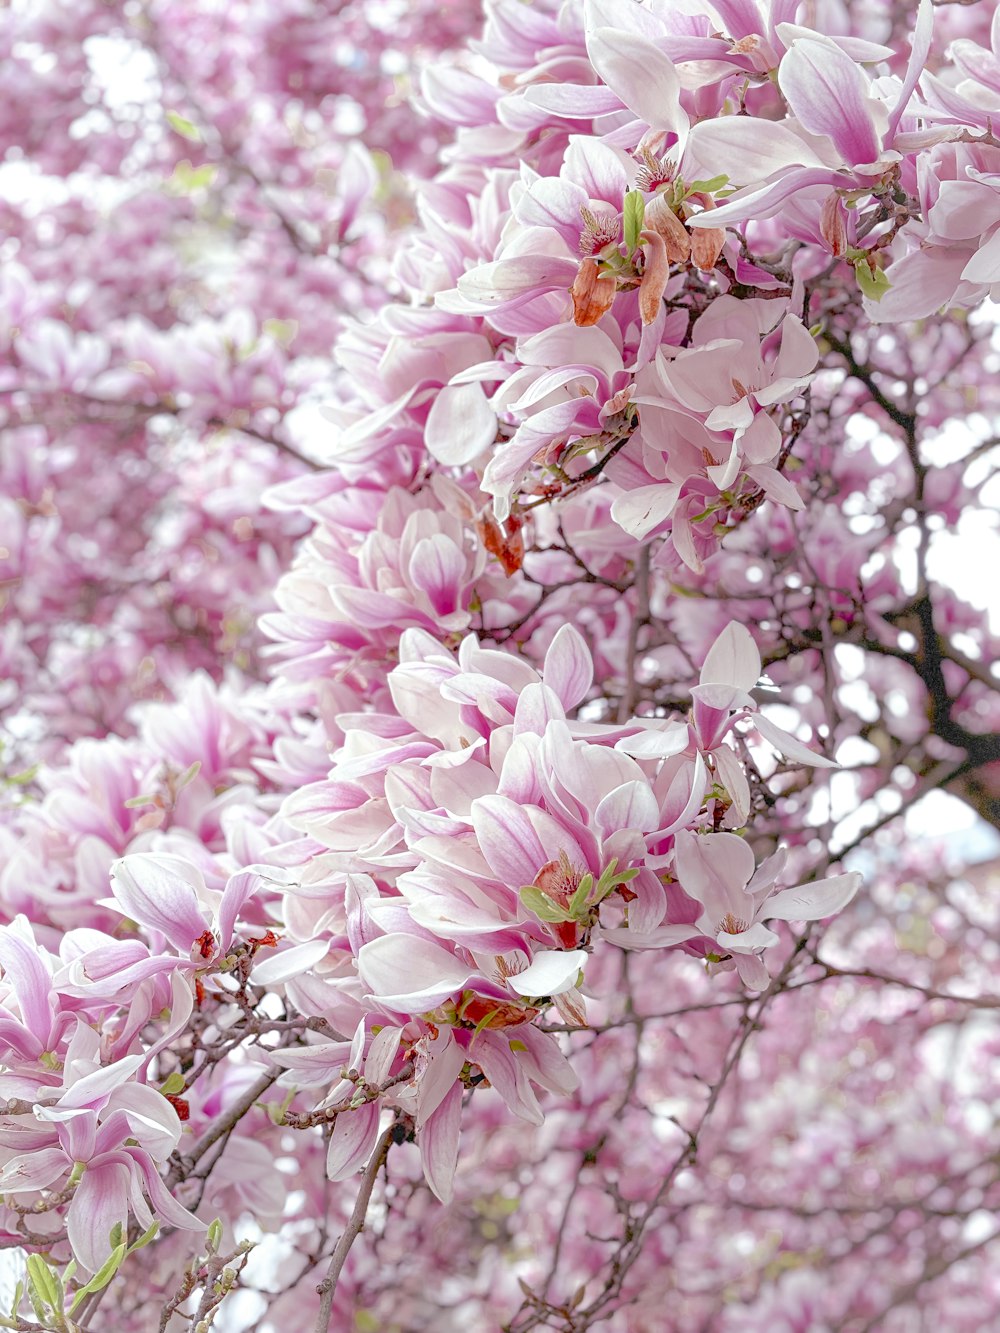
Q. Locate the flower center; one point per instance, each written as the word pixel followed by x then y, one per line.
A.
pixel 599 230
pixel 654 171
pixel 559 879
pixel 732 925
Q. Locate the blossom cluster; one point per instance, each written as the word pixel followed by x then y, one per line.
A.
pixel 518 723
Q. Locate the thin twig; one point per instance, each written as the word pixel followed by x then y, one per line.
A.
pixel 328 1286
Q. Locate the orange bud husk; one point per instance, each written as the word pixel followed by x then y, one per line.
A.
pixel 655 276
pixel 571 1008
pixel 661 218
pixel 494 1014
pixel 706 246
pixel 592 293
pixel 506 543
pixel 832 227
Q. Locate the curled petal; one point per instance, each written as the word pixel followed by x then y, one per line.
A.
pixel 549 973
pixel 813 902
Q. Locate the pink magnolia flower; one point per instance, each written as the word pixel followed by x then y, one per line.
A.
pixel 957 262
pixel 741 363
pixel 720 700
pixel 106 1135
pixel 718 871
pixel 848 124
pixel 167 895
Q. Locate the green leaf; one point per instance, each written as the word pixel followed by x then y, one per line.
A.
pixel 187 178
pixel 102 1277
pixel 709 186
pixel 633 213
pixel 544 908
pixel 283 331
pixel 516 1046
pixel 213 1238
pixel 149 1234
pixel 483 1022
pixel 135 802
pixel 185 128
pixel 578 902
pixel 172 1084
pixel 42 1285
pixel 873 285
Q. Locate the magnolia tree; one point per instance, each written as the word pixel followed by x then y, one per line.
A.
pixel 546 928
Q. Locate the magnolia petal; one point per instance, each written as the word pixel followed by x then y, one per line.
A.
pixel 776 486
pixel 984 266
pixel 351 1141
pixel 492 1052
pixel 164 1204
pixel 640 511
pixel 381 1053
pixel 656 742
pixel 663 937
pixel 518 842
pixel 549 973
pixel 34 1170
pixel 747 149
pixel 921 45
pixel 789 746
pixel 511 282
pixel 714 869
pixel 752 940
pixel 675 814
pixel 641 74
pixel 830 95
pixel 630 806
pixel 568 668
pixel 92 1090
pixel 161 892
pixel 764 201
pixel 460 425
pixel 282 965
pixel 730 771
pixel 752 971
pixel 240 888
pixel 813 902
pixel 98 1206
pixel 409 973
pixel 573 101
pixel 733 659
pixel 438 1143
pixel 25 972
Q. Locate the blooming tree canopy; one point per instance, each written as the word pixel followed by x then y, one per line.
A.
pixel 494 509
